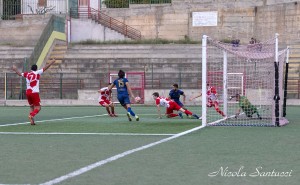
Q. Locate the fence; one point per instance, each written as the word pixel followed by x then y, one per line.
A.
pixel 12 9
pixel 127 3
pixel 66 85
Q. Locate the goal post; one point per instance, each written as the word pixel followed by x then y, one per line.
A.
pixel 248 80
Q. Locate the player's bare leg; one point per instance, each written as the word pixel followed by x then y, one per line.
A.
pixel 30 117
pixel 108 111
pixel 112 108
pixel 189 113
pixel 218 110
pixel 34 111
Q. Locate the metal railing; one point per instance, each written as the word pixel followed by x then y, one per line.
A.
pixel 105 20
pixel 55 23
pixel 66 85
pixel 12 9
pixel 127 3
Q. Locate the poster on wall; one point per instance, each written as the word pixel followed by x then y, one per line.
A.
pixel 205 18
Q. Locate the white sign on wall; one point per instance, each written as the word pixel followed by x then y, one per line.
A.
pixel 205 18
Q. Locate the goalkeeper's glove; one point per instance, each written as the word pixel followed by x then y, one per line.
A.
pixel 236 115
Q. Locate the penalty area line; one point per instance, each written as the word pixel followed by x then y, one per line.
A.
pixel 62 119
pixel 116 157
pixel 50 120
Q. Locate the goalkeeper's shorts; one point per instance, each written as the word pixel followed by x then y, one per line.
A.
pixel 250 111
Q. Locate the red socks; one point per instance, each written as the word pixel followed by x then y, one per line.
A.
pixel 188 112
pixel 172 115
pixel 34 112
pixel 220 112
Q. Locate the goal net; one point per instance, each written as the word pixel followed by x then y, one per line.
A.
pixel 137 84
pixel 242 84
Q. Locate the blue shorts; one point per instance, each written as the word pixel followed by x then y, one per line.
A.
pixel 124 99
pixel 179 103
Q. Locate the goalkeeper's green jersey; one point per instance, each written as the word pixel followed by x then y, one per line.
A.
pixel 247 107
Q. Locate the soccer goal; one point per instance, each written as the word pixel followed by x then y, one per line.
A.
pixel 137 84
pixel 247 80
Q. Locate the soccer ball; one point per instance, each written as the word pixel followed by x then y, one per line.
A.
pixel 137 99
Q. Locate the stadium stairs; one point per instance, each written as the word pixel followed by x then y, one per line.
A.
pixel 294 72
pixel 58 53
pixel 106 21
pixel 10 55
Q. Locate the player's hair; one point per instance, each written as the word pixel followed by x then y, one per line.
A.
pixel 121 74
pixel 175 85
pixel 34 67
pixel 155 94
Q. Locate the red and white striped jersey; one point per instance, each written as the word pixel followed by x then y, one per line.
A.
pixel 211 93
pixel 33 80
pixel 165 102
pixel 104 94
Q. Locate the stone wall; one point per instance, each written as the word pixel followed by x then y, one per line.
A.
pixel 22 32
pixel 240 19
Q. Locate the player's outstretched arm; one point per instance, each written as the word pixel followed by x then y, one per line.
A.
pixel 14 68
pixel 48 65
pixel 195 97
pixel 158 111
pixel 129 90
pixel 183 98
pixel 111 86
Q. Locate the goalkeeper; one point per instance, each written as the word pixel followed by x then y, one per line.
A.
pixel 246 106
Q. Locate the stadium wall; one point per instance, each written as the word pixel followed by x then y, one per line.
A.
pixel 23 32
pixel 240 19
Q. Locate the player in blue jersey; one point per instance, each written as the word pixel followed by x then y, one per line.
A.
pixel 124 90
pixel 175 94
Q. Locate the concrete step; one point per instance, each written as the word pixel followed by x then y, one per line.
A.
pixel 293 75
pixel 60 47
pixel 131 55
pixel 56 62
pixel 294 55
pixel 58 52
pixel 294 60
pixel 57 56
pixel 296 46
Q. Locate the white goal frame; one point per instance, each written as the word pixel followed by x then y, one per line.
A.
pixel 277 119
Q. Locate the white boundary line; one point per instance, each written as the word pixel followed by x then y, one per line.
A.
pixel 116 157
pixel 49 120
pixel 15 184
pixel 61 119
pixel 61 133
